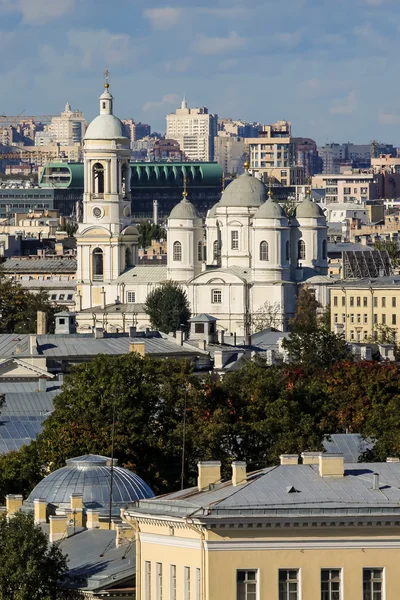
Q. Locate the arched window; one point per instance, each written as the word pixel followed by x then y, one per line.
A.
pixel 125 180
pixel 200 251
pixel 128 257
pixel 288 251
pixel 324 252
pixel 177 252
pixel 264 251
pixel 301 250
pixel 98 178
pixel 215 250
pixel 98 272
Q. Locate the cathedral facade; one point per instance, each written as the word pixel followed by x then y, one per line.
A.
pixel 245 262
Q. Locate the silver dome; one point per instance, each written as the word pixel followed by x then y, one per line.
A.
pixel 270 210
pixel 90 475
pixel 308 210
pixel 184 210
pixel 245 191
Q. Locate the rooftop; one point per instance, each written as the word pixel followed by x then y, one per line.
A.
pixel 37 264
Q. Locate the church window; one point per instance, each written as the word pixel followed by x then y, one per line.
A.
pixel 324 250
pixel 199 327
pixel 215 250
pixel 128 257
pixel 301 250
pixel 125 180
pixel 200 251
pixel 287 251
pixel 98 273
pixel 98 178
pixel 234 240
pixel 264 251
pixel 177 252
pixel 216 296
pixel 131 297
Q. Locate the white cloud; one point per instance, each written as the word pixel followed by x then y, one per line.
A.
pixel 388 119
pixel 38 12
pixel 99 47
pixel 163 18
pixel 218 45
pixel 347 106
pixel 168 99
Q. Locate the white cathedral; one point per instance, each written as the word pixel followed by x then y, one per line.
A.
pixel 247 258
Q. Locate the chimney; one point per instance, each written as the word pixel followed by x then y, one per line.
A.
pixel 98 333
pixel 179 337
pixel 41 322
pixel 132 331
pixel 155 212
pixel 103 298
pixel 77 509
pixel 58 527
pixel 375 481
pixel 138 346
pixel 289 459
pixel 40 510
pixel 234 339
pixel 42 384
pixel 238 472
pixel 248 340
pixel 331 465
pixel 310 458
pixel 13 504
pixel 218 359
pixel 209 473
pixel 124 535
pixel 221 336
pixel 32 345
pixel 92 518
pixel 392 459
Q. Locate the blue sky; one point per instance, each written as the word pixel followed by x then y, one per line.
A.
pixel 332 67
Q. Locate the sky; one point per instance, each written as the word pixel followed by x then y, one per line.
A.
pixel 331 67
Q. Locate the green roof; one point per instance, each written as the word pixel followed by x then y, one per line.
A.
pixel 62 175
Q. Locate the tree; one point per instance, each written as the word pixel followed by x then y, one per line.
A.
pixel 318 349
pixel 168 307
pixel 30 569
pixel 268 315
pixel 70 228
pixel 392 249
pixel 20 471
pixel 18 308
pixel 305 319
pixel 149 231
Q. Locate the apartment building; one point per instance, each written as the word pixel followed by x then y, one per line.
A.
pixel 229 153
pixel 194 129
pixel 273 155
pixel 66 130
pixel 347 187
pixel 136 131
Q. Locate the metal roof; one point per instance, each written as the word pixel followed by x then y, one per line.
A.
pixel 37 264
pixel 28 404
pixel 17 431
pixel 55 284
pixel 131 308
pixel 144 274
pixel 203 318
pixel 351 445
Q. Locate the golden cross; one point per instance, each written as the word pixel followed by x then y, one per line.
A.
pixel 107 76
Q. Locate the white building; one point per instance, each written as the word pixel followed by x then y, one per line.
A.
pixel 67 129
pixel 194 129
pixel 247 258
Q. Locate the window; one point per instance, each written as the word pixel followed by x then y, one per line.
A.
pixel 372 584
pixel 324 252
pixel 147 580
pixel 358 300
pixel 287 251
pixel 301 250
pixel 344 318
pixel 215 250
pixel 199 327
pixel 264 251
pixel 365 319
pixel 383 319
pixel 61 297
pixel 343 300
pixel 70 296
pixel 375 302
pixel 330 584
pixel 131 297
pixel 375 319
pixel 159 581
pixel 383 302
pixel 186 583
pixel 393 319
pixel 335 301
pixel 351 318
pixel 61 321
pixel 54 296
pixel 172 582
pixel 288 584
pixel 365 301
pixel 177 252
pixel 346 190
pixel 393 302
pixel 351 301
pixel 128 258
pixel 98 178
pixel 358 318
pixel 200 251
pixel 352 334
pixel 216 296
pixel 234 240
pixel 246 585
pixel 98 264
pixel 198 584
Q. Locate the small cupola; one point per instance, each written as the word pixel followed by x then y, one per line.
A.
pixel 65 323
pixel 204 328
pixel 106 99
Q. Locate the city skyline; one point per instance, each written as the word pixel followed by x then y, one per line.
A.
pixel 333 74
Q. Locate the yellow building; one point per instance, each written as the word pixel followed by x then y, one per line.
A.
pixel 361 309
pixel 317 530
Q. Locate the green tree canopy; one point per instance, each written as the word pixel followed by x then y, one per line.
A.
pixel 149 231
pixel 392 248
pixel 305 319
pixel 30 569
pixel 18 308
pixel 168 307
pixel 317 349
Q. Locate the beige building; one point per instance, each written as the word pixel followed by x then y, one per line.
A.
pixel 347 187
pixel 363 309
pixel 66 130
pixel 272 155
pixel 229 153
pixel 194 129
pixel 322 529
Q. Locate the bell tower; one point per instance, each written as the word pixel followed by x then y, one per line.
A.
pixel 106 239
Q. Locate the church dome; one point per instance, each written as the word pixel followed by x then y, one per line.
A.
pixel 90 475
pixel 212 213
pixel 184 210
pixel 270 210
pixel 245 191
pixel 105 127
pixel 308 210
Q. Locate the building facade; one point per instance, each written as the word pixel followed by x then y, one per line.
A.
pixel 194 129
pixel 230 153
pixel 66 130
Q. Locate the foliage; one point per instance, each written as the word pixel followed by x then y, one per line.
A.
pixel 20 471
pixel 70 228
pixel 268 315
pixel 318 349
pixel 392 248
pixel 149 231
pixel 30 569
pixel 168 307
pixel 289 205
pixel 306 318
pixel 18 308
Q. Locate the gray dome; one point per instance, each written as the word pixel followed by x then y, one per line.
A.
pixel 308 210
pixel 105 127
pixel 90 475
pixel 184 210
pixel 270 210
pixel 245 191
pixel 212 213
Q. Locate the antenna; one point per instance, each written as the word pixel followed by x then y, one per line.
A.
pixel 183 440
pixel 112 458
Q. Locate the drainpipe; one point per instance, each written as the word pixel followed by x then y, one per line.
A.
pixel 201 530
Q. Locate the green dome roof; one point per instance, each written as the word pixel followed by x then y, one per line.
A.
pixel 270 210
pixel 184 210
pixel 245 191
pixel 308 210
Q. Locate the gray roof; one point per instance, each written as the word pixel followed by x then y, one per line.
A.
pixel 244 191
pixel 144 274
pixel 184 210
pixel 348 247
pixel 94 561
pixel 203 318
pixel 308 210
pixel 378 282
pixel 90 475
pixel 351 445
pixel 48 284
pixel 16 432
pixel 37 264
pixel 270 210
pixel 131 308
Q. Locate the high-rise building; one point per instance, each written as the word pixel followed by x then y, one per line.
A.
pixel 358 156
pixel 194 129
pixel 307 156
pixel 229 152
pixel 66 130
pixel 136 131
